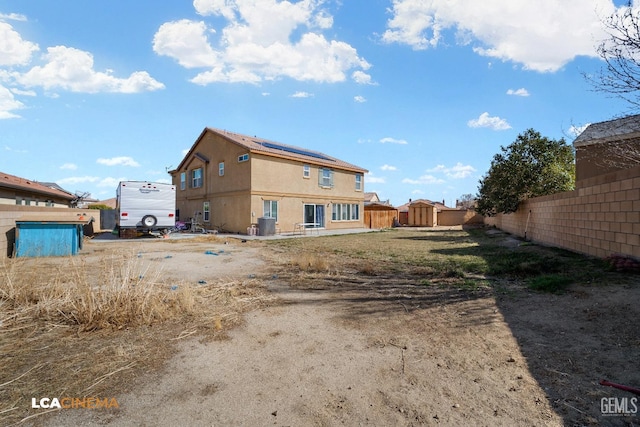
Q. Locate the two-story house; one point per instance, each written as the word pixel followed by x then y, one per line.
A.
pixel 228 180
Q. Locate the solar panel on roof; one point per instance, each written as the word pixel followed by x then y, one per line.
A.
pixel 293 150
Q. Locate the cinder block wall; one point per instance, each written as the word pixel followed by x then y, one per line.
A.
pixel 601 217
pixel 10 213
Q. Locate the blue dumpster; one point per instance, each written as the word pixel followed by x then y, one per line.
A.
pixel 43 238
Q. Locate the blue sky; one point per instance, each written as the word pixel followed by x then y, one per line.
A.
pixel 422 93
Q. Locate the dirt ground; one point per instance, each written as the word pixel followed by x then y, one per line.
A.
pixel 362 350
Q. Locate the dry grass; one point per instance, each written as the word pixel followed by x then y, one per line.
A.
pixel 78 330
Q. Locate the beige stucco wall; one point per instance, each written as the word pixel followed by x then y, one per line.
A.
pixel 600 218
pixel 459 217
pixel 283 180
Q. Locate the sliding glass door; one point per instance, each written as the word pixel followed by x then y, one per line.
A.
pixel 314 216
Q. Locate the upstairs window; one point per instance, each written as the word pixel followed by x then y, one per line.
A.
pixel 196 178
pixel 221 169
pixel 243 158
pixel 183 180
pixel 358 182
pixel 306 171
pixel 325 178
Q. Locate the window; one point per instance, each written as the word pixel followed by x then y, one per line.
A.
pixel 221 169
pixel 205 211
pixel 243 158
pixel 358 182
pixel 345 212
pixel 306 171
pixel 325 178
pixel 270 209
pixel 183 180
pixel 196 178
pixel 18 200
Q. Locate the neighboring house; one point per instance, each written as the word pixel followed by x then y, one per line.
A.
pixel 228 181
pixel 607 147
pixel 371 198
pixel 80 200
pixel 19 191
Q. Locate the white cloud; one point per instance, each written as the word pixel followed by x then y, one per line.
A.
pixel 110 182
pixel 12 17
pixel 118 161
pixel 302 95
pixel 22 92
pixel 542 36
pixel 486 121
pixel 424 180
pixel 13 150
pixel 362 78
pixel 69 166
pixel 518 92
pixel 8 104
pixel 77 180
pixel 72 69
pixel 575 131
pixel 369 178
pixel 388 168
pixel 458 171
pixel 359 99
pixel 187 42
pixel 13 49
pixel 262 40
pixel 389 140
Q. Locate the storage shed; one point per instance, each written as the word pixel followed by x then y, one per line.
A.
pixel 49 236
pixel 423 214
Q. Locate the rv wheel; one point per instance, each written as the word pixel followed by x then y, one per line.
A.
pixel 149 221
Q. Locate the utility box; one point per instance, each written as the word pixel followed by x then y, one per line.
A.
pixel 49 237
pixel 266 226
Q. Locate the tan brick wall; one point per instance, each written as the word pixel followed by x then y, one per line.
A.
pixel 600 218
pixel 10 213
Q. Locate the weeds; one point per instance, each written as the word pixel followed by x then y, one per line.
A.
pixel 553 283
pixel 74 329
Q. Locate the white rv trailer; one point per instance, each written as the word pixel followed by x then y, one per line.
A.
pixel 145 205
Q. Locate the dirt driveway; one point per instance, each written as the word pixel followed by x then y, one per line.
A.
pixel 377 351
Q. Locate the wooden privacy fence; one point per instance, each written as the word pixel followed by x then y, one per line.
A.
pixel 380 216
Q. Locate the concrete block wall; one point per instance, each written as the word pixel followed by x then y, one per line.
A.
pixel 601 217
pixel 10 213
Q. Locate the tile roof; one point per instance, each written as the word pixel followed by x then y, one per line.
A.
pixel 15 182
pixel 276 149
pixel 618 129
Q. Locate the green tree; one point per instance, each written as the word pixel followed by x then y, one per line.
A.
pixel 531 166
